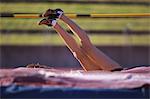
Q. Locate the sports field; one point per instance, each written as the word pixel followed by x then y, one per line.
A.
pixel 137 24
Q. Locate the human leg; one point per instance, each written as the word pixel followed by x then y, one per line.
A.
pixel 96 55
pixel 79 54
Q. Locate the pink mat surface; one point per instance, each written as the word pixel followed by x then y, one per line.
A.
pixel 132 78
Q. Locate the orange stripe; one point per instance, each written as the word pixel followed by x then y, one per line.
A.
pixel 122 15
pixel 26 16
pixel 92 15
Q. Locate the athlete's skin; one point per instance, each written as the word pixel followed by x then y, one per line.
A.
pixel 90 57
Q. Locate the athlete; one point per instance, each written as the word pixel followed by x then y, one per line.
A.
pixel 90 57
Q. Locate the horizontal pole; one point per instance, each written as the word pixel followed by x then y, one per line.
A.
pixel 73 15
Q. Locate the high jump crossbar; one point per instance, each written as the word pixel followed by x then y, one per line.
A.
pixel 73 15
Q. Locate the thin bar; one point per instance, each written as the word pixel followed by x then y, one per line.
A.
pixel 96 15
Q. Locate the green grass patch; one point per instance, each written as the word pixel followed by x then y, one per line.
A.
pixel 54 39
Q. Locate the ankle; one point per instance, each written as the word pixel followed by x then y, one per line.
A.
pixel 53 23
pixel 62 17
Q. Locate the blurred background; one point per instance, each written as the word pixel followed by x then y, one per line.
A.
pixel 22 41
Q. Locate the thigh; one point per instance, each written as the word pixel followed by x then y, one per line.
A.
pixel 86 62
pixel 100 58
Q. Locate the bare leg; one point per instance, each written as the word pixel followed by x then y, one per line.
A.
pixel 79 54
pixel 95 55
